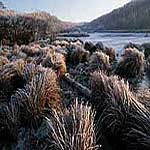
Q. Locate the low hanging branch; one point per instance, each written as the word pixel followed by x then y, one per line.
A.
pixel 80 88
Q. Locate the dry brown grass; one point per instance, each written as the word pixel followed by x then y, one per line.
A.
pixel 144 97
pixel 32 101
pixel 56 61
pixel 36 95
pixel 111 53
pixel 122 119
pixel 3 61
pixel 60 65
pixel 131 64
pixel 12 69
pixel 79 55
pixel 99 61
pixel 11 77
pixel 31 50
pixel 74 129
pixel 52 90
pixel 9 115
pixel 30 71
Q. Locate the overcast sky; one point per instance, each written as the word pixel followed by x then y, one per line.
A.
pixel 68 10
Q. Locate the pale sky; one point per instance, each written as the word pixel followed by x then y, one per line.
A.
pixel 67 10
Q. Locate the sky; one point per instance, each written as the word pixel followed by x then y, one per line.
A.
pixel 67 10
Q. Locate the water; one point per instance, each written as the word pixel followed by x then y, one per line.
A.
pixel 117 40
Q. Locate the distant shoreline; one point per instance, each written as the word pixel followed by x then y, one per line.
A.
pixel 76 35
pixel 123 31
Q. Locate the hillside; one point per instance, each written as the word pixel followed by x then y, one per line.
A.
pixel 132 16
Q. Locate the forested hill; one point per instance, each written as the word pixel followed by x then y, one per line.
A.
pixel 132 16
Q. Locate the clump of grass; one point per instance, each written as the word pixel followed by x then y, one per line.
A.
pixel 3 61
pixel 9 115
pixel 11 77
pixel 148 65
pixel 4 52
pixel 32 105
pixel 79 55
pixel 59 64
pixel 144 97
pixel 61 43
pixel 41 92
pixel 48 59
pixel 56 61
pixel 74 129
pixel 111 53
pixel 99 61
pixel 52 90
pixel 30 70
pixel 76 43
pixel 131 64
pixel 30 50
pixel 122 119
pixel 11 69
pixel 133 45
